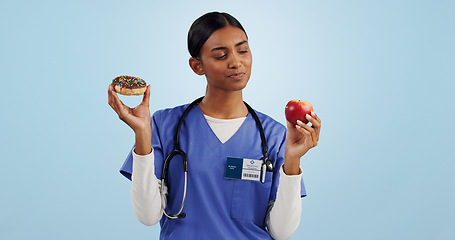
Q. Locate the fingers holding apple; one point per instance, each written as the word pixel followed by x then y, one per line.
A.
pixel 310 132
pixel 301 137
pixel 315 122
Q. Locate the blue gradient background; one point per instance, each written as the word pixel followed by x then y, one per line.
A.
pixel 380 74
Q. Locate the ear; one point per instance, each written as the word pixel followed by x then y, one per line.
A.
pixel 196 65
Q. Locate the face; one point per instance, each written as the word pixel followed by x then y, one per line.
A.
pixel 225 60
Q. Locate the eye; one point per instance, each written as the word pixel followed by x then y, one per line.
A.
pixel 243 51
pixel 221 57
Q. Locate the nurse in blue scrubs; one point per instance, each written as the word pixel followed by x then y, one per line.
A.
pixel 217 128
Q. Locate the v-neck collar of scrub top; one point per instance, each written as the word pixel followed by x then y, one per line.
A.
pixel 243 119
pixel 210 137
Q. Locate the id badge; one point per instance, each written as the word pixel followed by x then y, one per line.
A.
pixel 243 169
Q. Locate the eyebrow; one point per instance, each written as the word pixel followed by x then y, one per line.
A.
pixel 223 48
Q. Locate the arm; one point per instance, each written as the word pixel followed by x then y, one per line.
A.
pixel 283 216
pixel 145 187
pixel 146 197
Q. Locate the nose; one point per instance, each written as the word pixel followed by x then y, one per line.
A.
pixel 235 61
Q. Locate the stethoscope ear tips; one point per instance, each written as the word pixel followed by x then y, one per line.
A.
pixel 181 215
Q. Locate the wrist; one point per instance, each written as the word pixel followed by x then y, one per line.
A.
pixel 143 130
pixel 143 141
pixel 291 168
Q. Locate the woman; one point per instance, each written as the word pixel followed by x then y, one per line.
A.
pixel 215 131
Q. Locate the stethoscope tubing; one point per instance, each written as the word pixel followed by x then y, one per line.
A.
pixel 177 151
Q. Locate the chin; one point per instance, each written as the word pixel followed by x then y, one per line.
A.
pixel 240 85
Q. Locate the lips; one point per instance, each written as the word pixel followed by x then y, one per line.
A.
pixel 237 75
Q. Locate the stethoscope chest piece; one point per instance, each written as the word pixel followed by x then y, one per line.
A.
pixel 269 165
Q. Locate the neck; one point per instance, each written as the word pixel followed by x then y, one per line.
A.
pixel 226 105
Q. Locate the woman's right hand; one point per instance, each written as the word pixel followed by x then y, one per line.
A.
pixel 137 118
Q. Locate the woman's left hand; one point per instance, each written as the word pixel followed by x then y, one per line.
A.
pixel 299 139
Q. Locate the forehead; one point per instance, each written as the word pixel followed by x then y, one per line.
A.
pixel 225 37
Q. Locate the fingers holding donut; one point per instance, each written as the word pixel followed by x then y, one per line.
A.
pixel 115 102
pixel 138 118
pixel 146 97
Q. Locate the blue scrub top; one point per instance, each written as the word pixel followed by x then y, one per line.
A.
pixel 215 207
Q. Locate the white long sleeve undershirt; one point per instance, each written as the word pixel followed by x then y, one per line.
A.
pixel 283 216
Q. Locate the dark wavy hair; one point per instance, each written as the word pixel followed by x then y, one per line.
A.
pixel 204 26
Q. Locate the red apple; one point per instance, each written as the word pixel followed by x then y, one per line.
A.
pixel 297 110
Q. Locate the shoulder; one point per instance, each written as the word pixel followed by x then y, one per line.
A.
pixel 170 112
pixel 168 118
pixel 275 133
pixel 270 125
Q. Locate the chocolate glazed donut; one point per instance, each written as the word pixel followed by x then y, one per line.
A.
pixel 129 85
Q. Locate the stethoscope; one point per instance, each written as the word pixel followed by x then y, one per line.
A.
pixel 266 162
